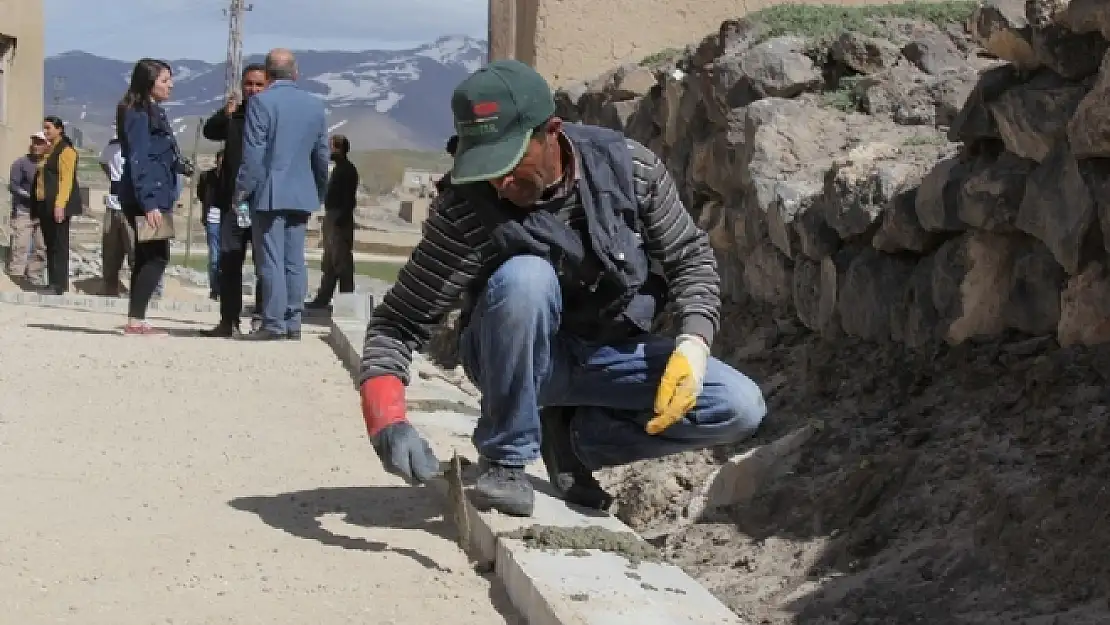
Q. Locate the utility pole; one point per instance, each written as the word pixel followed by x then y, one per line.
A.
pixel 235 44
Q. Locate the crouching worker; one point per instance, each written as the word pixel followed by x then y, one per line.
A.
pixel 567 240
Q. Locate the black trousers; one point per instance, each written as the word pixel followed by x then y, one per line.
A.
pixel 56 236
pixel 233 253
pixel 338 264
pixel 151 259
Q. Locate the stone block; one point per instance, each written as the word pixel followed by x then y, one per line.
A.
pixel 870 293
pixel 1089 128
pixel 355 305
pixel 768 274
pixel 1085 308
pixel 1033 116
pixel 1058 207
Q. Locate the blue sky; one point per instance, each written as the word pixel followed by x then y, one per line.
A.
pixel 176 29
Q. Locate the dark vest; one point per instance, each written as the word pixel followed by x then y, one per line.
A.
pixel 609 275
pixel 51 175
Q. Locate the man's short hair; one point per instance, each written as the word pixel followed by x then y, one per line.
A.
pixel 341 143
pixel 281 65
pixel 254 67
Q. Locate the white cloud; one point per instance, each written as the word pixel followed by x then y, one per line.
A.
pixel 198 28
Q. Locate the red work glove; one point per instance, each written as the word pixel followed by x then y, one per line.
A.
pixel 383 403
pixel 399 446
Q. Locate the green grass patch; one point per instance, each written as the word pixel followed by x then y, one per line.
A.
pixel 382 271
pixel 844 97
pixel 827 21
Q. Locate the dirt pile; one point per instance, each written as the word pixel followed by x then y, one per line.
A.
pixel 950 484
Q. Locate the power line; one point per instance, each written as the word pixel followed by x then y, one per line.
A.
pixel 235 43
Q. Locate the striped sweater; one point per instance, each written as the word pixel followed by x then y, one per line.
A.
pixel 455 250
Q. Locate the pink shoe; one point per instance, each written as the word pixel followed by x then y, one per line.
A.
pixel 142 329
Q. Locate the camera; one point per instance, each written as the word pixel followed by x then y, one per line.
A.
pixel 185 167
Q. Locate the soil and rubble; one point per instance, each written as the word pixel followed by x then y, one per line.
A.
pixel 908 205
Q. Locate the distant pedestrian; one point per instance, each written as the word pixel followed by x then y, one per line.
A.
pixel 284 177
pixel 27 252
pixel 59 200
pixel 226 125
pixel 117 237
pixel 149 187
pixel 210 217
pixel 444 181
pixel 338 264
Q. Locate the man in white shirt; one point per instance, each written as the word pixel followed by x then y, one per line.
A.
pixel 118 239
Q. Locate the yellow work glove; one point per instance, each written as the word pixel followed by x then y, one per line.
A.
pixel 681 383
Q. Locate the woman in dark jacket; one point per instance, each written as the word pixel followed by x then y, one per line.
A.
pixel 149 185
pixel 58 200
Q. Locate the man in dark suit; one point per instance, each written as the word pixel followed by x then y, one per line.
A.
pixel 284 178
pixel 227 125
pixel 338 264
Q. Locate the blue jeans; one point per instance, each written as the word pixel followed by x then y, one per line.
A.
pixel 513 352
pixel 212 235
pixel 278 240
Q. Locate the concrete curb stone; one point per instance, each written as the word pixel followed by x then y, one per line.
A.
pixel 99 303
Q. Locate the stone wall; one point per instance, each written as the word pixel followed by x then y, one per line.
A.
pixel 911 181
pixel 570 40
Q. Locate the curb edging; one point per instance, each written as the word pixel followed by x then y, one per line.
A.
pixel 101 303
pixel 558 587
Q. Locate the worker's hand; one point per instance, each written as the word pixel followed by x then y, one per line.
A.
pixel 154 219
pixel 399 446
pixel 681 383
pixel 232 104
pixel 59 214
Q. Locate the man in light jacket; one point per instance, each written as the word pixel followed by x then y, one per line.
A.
pixel 284 178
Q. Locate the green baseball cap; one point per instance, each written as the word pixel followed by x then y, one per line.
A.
pixel 495 109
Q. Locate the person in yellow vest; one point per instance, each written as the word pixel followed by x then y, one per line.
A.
pixel 58 199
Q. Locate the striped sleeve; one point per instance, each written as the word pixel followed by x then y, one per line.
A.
pixel 673 238
pixel 440 270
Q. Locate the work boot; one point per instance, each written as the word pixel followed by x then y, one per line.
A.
pixel 505 489
pixel 570 478
pixel 223 330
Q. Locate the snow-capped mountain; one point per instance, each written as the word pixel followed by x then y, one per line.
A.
pixel 378 98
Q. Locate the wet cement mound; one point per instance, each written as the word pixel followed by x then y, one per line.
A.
pixel 584 539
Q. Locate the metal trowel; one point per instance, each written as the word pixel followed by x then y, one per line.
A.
pixel 456 499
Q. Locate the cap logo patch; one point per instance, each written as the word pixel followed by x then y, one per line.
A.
pixel 475 129
pixel 485 109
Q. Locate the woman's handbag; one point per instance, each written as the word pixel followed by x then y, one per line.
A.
pixel 164 232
